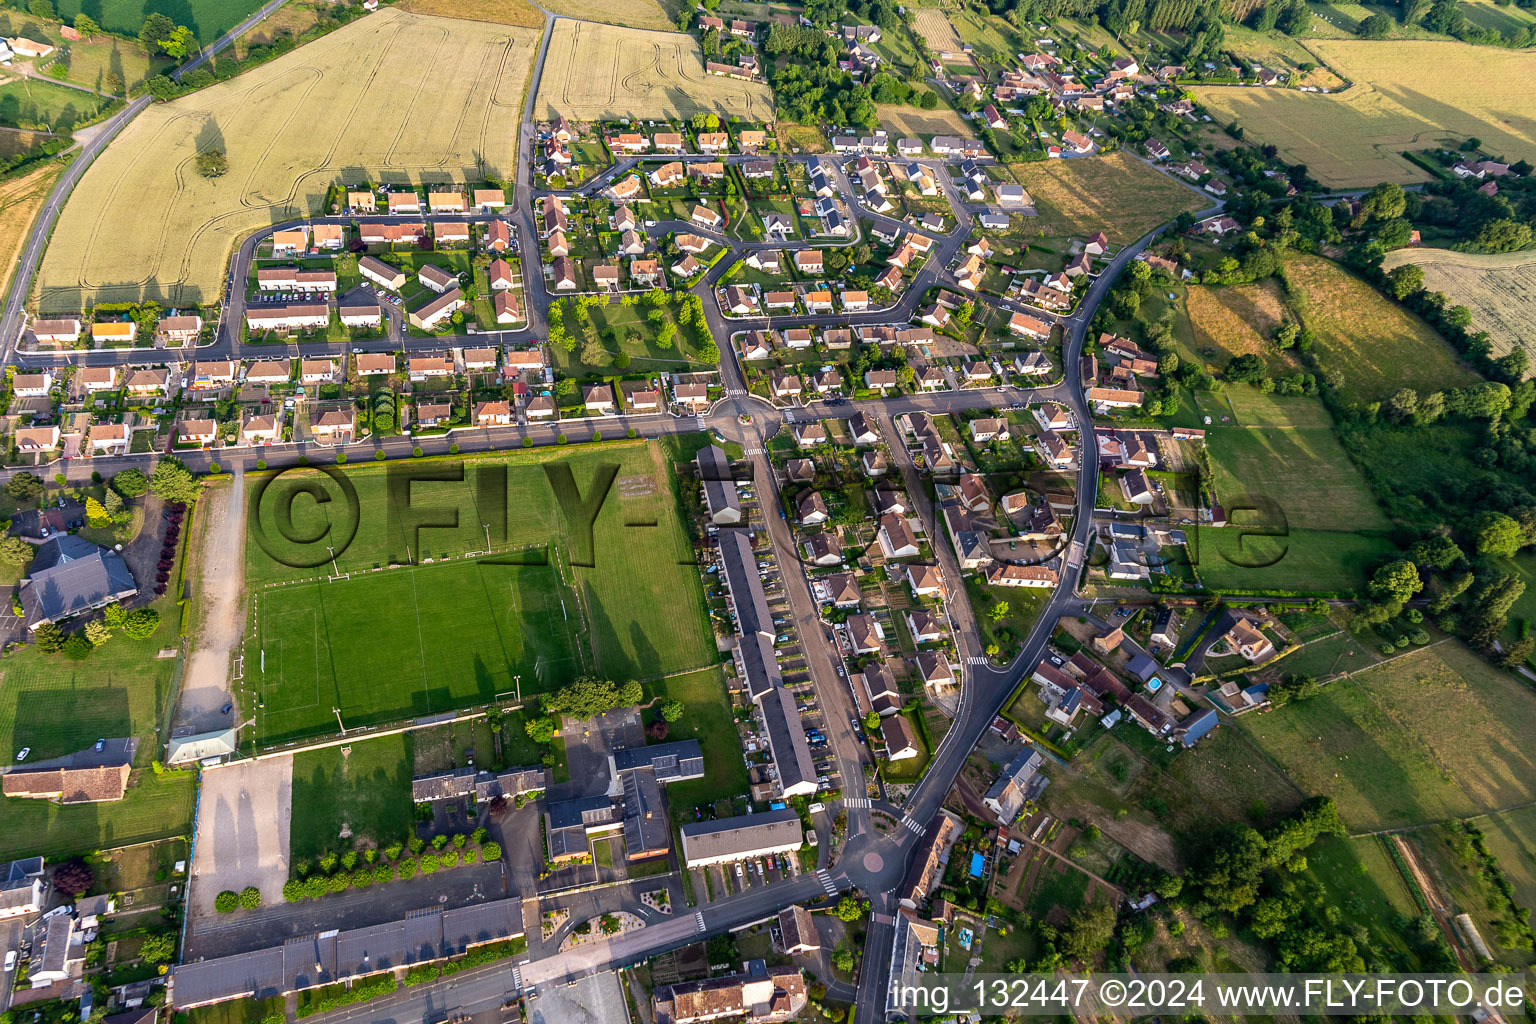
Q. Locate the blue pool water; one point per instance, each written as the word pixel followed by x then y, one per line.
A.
pixel 978 863
pixel 1154 684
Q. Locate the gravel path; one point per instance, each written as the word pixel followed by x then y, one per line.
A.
pixel 220 589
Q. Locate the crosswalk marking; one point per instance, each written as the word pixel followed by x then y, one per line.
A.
pixel 789 415
pixel 825 878
pixel 517 979
pixel 975 659
pixel 701 421
pixel 698 920
pixel 908 823
pixel 856 801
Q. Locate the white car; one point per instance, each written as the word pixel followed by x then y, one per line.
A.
pixel 22 756
pixel 10 961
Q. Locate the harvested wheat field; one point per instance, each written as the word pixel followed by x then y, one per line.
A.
pixel 903 121
pixel 1499 289
pixel 500 12
pixel 394 97
pixel 936 31
pixel 20 199
pixel 634 13
pixel 1230 321
pixel 1408 95
pixel 1116 194
pixel 601 72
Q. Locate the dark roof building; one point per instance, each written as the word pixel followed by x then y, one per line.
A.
pixel 670 762
pixel 71 576
pixel 647 831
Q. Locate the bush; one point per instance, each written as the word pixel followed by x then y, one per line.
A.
pixel 293 890
pixel 453 449
pixel 261 463
pixel 362 878
pixel 392 851
pixel 226 901
pixel 384 873
pixel 471 856
pixel 406 868
pixel 459 840
pixel 560 439
pixel 450 859
pixel 339 882
pixel 417 452
pixel 215 468
pixel 491 851
pixel 428 863
pixel 250 897
pixel 632 433
pixel 415 844
pixel 597 435
pixel 378 455
pixel 341 458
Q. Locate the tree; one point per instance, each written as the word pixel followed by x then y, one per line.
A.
pixel 1089 930
pixel 1518 653
pixel 15 551
pixel 114 615
pixel 1494 533
pixel 130 483
pixel 41 8
pixel 73 878
pixel 97 632
pixel 173 482
pixel 872 721
pixel 77 647
pixel 226 902
pixel 850 909
pixel 212 163
pixel 588 696
pixel 1377 26
pixel 1403 281
pixel 541 730
pixel 96 515
pixel 156 27
pixel 86 25
pixel 158 949
pixel 141 623
pixel 672 710
pixel 49 638
pixel 842 959
pixel 179 43
pixel 1396 581
pixel 25 488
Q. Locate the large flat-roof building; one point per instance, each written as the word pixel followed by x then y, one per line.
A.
pixel 750 835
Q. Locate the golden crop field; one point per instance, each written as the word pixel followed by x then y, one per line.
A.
pixel 1408 95
pixel 937 32
pixel 501 12
pixel 1116 194
pixel 392 97
pixel 1499 289
pixel 602 72
pixel 1376 344
pixel 634 13
pixel 903 121
pixel 20 199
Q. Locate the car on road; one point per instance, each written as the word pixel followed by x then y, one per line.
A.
pixel 22 756
pixel 100 744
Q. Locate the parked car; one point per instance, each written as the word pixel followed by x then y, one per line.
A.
pixel 24 752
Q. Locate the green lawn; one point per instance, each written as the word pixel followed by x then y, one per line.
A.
pixel 57 706
pixel 35 101
pixel 1512 839
pixel 1301 560
pixel 1432 735
pixel 364 785
pixel 1360 878
pixel 628 329
pixel 434 637
pixel 208 19
pixel 239 1011
pixel 707 718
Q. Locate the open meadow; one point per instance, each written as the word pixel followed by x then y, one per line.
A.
pixel 1377 345
pixel 424 638
pixel 291 128
pixel 1434 734
pixel 602 72
pixel 208 19
pixel 903 121
pixel 1407 95
pixel 1498 288
pixel 365 786
pixel 936 32
pixel 94 62
pixel 34 101
pixel 1116 194
pixel 1512 839
pixel 1283 453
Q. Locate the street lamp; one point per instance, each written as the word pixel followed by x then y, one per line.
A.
pixel 332 550
pixel 339 723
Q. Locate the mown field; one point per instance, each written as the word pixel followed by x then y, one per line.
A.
pixel 1377 345
pixel 645 14
pixel 602 72
pixel 933 27
pixel 290 128
pixel 93 61
pixel 428 638
pixel 1283 454
pixel 57 706
pixel 1512 839
pixel 365 785
pixel 1116 194
pixel 1435 734
pixel 1499 289
pixel 1408 95
pixel 208 19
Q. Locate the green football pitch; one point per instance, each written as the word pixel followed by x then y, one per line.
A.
pixel 410 641
pixel 407 622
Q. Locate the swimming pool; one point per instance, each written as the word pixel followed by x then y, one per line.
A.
pixel 978 864
pixel 1154 684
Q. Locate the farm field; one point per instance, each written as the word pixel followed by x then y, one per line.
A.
pixel 1498 288
pixel 208 19
pixel 903 121
pixel 1378 346
pixel 1116 194
pixel 644 14
pixel 501 12
pixel 378 646
pixel 290 127
pixel 602 72
pixel 1408 94
pixel 1434 734
pixel 1227 322
pixel 20 199
pixel 988 34
pixel 1275 49
pixel 38 101
pixel 365 785
pixel 934 29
